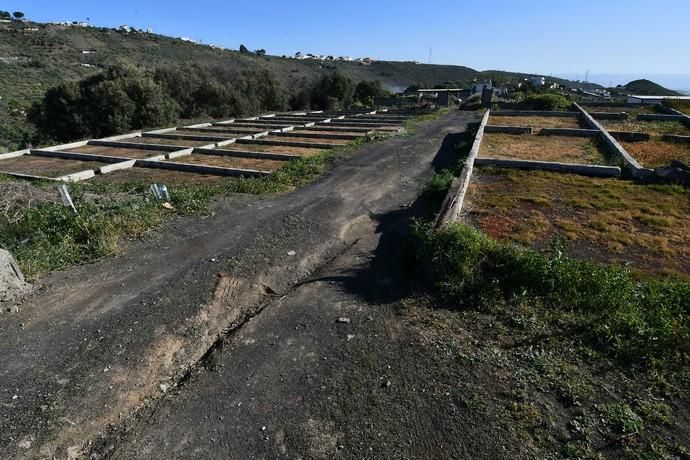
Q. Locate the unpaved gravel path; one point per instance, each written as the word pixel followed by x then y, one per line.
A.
pixel 102 341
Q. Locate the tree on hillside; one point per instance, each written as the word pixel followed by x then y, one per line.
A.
pixel 5 15
pixel 261 52
pixel 244 49
pixel 367 90
pixel 333 92
pixel 18 15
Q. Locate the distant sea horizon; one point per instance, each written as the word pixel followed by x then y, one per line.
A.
pixel 676 82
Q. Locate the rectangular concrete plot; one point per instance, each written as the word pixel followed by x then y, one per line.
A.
pixel 355 134
pixel 116 151
pixel 536 122
pixel 657 152
pixel 46 167
pixel 301 151
pixel 147 176
pixel 561 149
pixel 654 128
pixel 233 162
pixel 306 140
pixel 156 141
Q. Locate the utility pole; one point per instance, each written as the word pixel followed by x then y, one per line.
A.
pixel 429 55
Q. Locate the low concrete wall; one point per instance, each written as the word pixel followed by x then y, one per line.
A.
pixel 179 153
pixel 136 145
pixel 659 117
pixel 500 129
pixel 613 145
pixel 570 132
pixel 353 129
pixel 307 145
pixel 533 113
pixel 116 167
pixel 189 137
pixel 344 137
pixel 585 170
pixel 629 136
pixel 77 176
pixel 248 154
pixel 18 153
pixel 609 115
pixel 452 204
pixel 675 138
pixel 77 156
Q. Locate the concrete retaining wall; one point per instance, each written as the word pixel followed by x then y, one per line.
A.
pixel 116 167
pixel 77 156
pixel 201 169
pixel 452 204
pixel 77 176
pixel 609 115
pixel 135 145
pixel 18 153
pixel 248 154
pixel 629 136
pixel 613 145
pixel 508 129
pixel 659 117
pixel 345 137
pixel 307 145
pixel 570 132
pixel 533 113
pixel 675 138
pixel 189 137
pixel 585 170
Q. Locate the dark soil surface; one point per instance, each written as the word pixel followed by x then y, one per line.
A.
pixel 101 342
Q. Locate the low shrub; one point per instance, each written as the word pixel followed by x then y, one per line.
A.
pixel 638 319
pixel 546 102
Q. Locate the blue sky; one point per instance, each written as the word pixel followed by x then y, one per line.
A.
pixel 541 36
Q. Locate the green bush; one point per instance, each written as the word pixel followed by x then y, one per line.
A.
pixel 546 102
pixel 638 319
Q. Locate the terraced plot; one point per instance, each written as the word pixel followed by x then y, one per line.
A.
pixel 607 220
pixel 303 151
pixel 164 176
pixel 182 143
pixel 564 149
pixel 116 151
pixel 536 122
pixel 45 166
pixel 657 152
pixel 307 140
pixel 654 128
pixel 231 162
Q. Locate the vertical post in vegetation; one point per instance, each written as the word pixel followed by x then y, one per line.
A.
pixel 452 204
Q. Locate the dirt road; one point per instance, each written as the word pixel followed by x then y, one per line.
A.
pixel 103 340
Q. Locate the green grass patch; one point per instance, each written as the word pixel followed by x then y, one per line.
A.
pixel 637 320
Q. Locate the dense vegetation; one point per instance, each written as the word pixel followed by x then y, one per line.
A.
pixel 124 98
pixel 640 320
pixel 547 101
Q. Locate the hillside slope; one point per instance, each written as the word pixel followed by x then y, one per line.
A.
pixel 35 57
pixel 648 88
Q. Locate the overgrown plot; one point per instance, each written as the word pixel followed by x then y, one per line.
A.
pixel 657 152
pixel 606 220
pixel 565 149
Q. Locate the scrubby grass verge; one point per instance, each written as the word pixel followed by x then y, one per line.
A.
pixel 639 321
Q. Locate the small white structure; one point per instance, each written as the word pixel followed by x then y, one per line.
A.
pixel 644 100
pixel 479 87
pixel 537 81
pixel 90 51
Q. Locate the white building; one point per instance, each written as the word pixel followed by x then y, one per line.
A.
pixel 644 100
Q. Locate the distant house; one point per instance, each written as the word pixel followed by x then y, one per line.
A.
pixel 479 87
pixel 537 81
pixel 650 100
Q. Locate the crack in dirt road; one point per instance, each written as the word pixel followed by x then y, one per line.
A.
pixel 96 343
